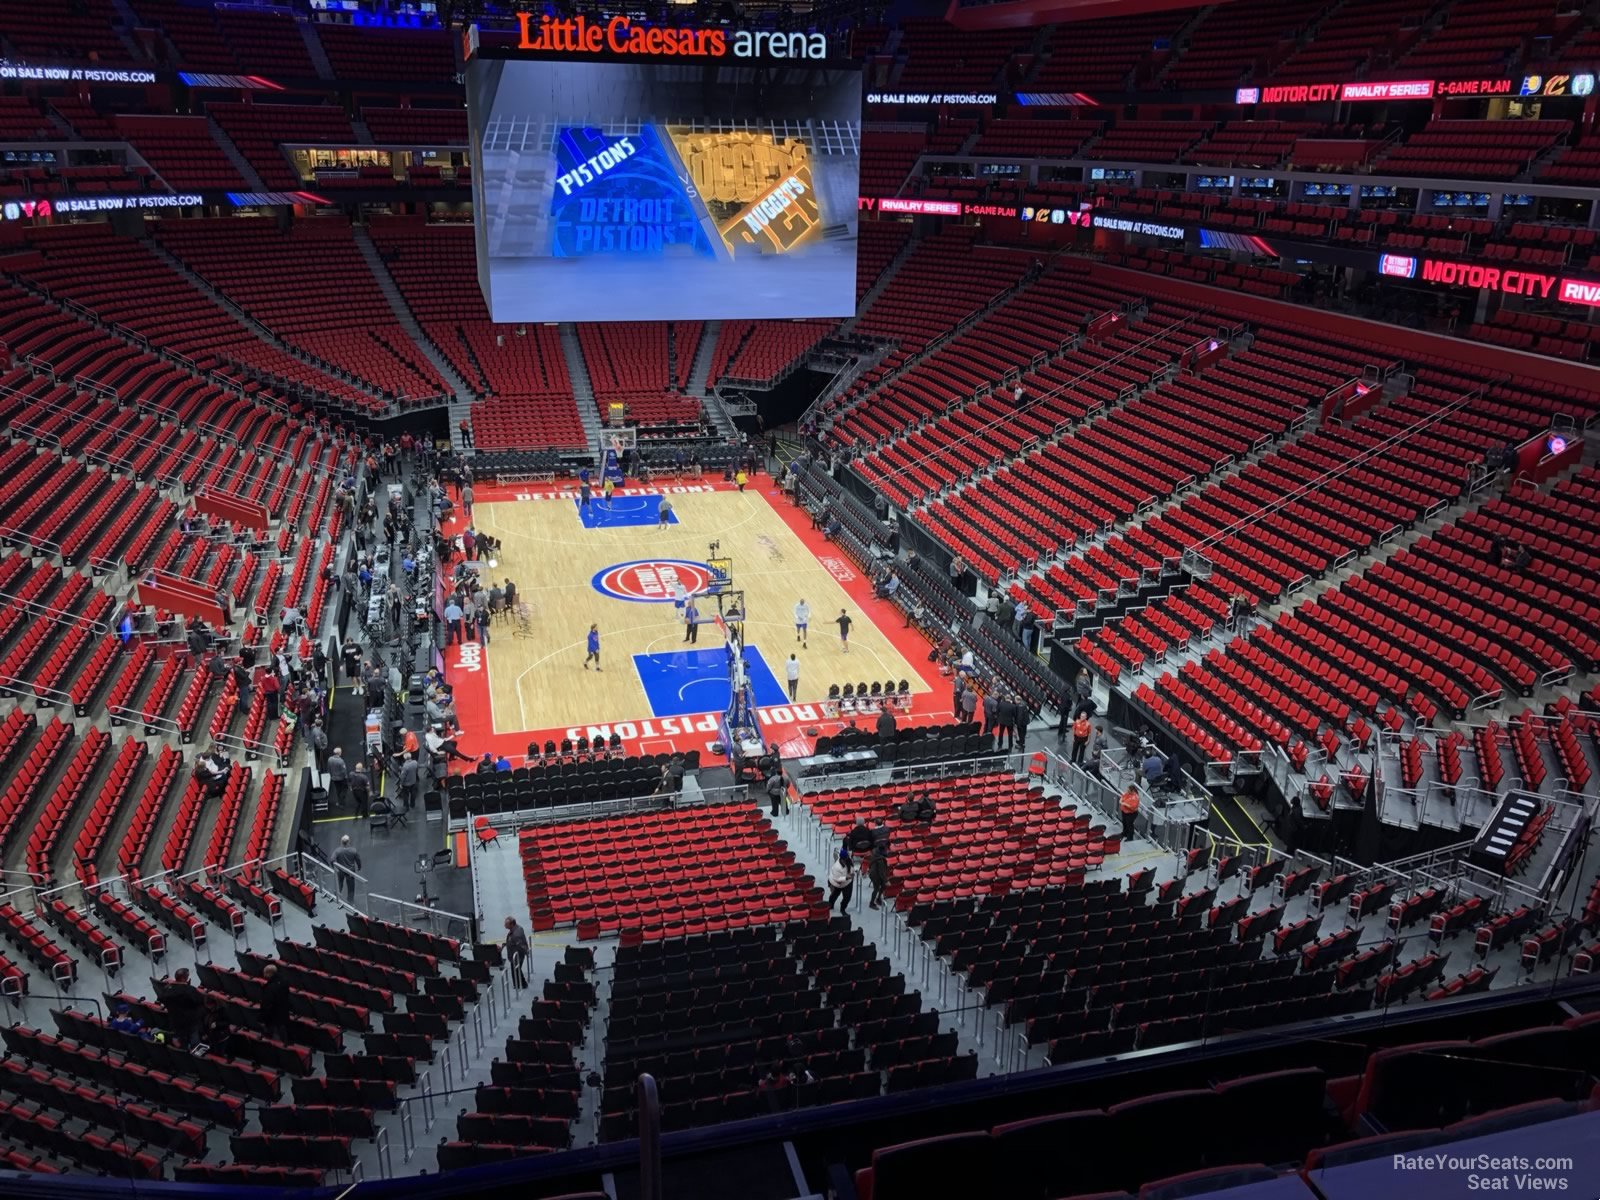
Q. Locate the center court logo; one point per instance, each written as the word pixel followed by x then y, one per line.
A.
pixel 651 580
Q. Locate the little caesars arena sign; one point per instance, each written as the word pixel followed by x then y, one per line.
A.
pixel 622 36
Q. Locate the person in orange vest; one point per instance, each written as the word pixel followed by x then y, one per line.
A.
pixel 1130 810
pixel 1080 737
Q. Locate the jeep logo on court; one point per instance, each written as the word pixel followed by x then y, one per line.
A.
pixel 651 580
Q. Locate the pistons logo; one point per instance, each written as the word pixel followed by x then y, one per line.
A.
pixel 651 580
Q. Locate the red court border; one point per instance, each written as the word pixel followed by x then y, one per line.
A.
pixel 783 724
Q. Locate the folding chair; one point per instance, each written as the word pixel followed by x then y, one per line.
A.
pixel 486 833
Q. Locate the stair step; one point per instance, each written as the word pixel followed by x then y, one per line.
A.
pixel 402 312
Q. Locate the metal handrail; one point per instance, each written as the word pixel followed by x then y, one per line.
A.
pixel 649 1104
pixel 1311 486
pixel 142 441
pixel 1009 419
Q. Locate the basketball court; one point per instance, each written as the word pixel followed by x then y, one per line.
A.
pixel 616 566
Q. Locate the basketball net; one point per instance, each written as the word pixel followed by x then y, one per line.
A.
pixel 616 447
pixel 722 628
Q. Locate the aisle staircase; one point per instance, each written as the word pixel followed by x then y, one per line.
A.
pixel 582 386
pixel 402 313
pixel 240 163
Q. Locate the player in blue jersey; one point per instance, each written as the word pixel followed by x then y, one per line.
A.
pixel 594 648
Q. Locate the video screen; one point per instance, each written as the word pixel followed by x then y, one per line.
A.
pixel 648 192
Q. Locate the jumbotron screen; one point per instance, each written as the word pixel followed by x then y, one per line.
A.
pixel 610 191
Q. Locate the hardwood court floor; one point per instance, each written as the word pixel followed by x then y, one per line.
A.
pixel 538 682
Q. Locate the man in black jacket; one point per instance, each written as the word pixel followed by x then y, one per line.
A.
pixel 183 1004
pixel 880 837
pixel 859 839
pixel 1020 716
pixel 999 708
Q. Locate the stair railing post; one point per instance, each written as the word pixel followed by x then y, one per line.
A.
pixel 649 1139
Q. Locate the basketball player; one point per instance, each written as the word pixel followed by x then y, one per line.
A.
pixel 843 621
pixel 606 489
pixel 594 648
pixel 802 622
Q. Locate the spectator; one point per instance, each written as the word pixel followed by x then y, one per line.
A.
pixel 182 1001
pixel 123 1021
pixel 1011 614
pixel 1096 745
pixel 347 862
pixel 360 788
pixel 776 790
pixel 517 952
pixel 408 781
pixel 1129 804
pixel 1017 710
pixel 859 839
pixel 1154 768
pixel 886 724
pixel 1080 738
pixel 991 712
pixel 270 691
pixel 841 881
pixel 319 745
pixel 1005 718
pixel 880 836
pixel 878 873
pixel 338 775
pixel 213 771
pixel 925 810
pixel 969 704
pixel 215 1029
